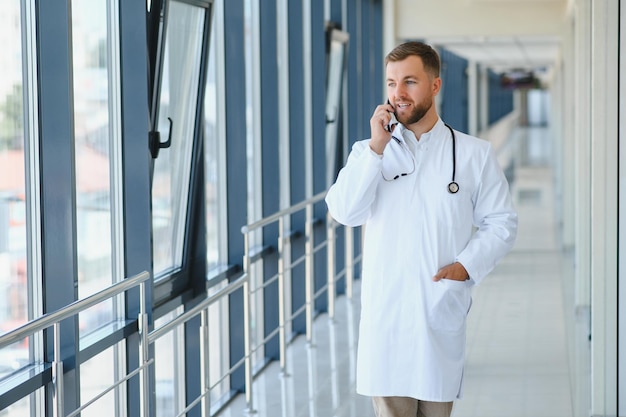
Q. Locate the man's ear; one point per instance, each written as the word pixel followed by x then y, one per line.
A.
pixel 436 86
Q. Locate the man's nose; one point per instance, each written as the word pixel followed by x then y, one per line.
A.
pixel 398 92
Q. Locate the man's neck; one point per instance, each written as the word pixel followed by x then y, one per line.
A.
pixel 425 124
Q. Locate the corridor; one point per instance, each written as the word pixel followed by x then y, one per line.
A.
pixel 517 361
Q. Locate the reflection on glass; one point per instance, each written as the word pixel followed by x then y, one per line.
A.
pixel 212 159
pixel 334 83
pixel 178 101
pixel 92 148
pixel 254 170
pixel 13 240
pixel 19 408
pixel 90 386
pixel 218 347
pixel 169 354
pixel 214 141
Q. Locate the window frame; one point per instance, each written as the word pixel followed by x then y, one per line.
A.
pixel 183 284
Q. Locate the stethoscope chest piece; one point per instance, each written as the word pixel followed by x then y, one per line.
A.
pixel 453 187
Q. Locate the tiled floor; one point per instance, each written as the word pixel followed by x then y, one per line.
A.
pixel 517 362
pixel 517 358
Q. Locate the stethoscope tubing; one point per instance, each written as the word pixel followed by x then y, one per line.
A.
pixel 453 186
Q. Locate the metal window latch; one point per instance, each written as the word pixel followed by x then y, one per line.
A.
pixel 154 141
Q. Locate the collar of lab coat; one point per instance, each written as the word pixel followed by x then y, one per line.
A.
pixel 438 130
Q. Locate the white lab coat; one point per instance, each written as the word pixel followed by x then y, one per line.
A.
pixel 412 330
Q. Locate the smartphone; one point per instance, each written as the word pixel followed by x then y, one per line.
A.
pixel 392 122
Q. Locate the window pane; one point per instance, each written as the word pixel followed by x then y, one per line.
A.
pixel 178 101
pixel 218 348
pixel 90 387
pixel 169 355
pixel 214 157
pixel 13 235
pixel 334 77
pixel 93 159
pixel 18 409
pixel 213 146
pixel 254 173
pixel 211 160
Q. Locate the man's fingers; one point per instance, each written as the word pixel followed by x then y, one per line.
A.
pixel 440 274
pixel 454 272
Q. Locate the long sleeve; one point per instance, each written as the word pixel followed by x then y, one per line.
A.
pixel 495 218
pixel 349 200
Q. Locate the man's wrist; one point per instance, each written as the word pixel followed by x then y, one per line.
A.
pixel 377 151
pixel 467 277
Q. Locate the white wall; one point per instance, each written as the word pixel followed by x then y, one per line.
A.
pixel 604 193
pixel 622 228
pixel 588 103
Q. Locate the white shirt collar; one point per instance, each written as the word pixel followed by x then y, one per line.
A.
pixel 438 130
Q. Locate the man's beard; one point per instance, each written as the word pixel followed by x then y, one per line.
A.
pixel 417 113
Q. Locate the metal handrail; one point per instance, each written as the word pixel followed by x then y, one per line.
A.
pixel 146 337
pixel 279 214
pixel 189 314
pixel 110 388
pixel 55 318
pixel 49 319
pixel 285 265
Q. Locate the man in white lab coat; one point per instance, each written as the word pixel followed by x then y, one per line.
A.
pixel 438 216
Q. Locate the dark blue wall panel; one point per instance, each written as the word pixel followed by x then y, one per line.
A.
pixel 271 177
pixel 236 164
pixel 453 97
pixel 297 157
pixel 57 178
pixel 500 99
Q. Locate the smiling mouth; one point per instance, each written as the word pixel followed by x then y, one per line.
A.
pixel 402 106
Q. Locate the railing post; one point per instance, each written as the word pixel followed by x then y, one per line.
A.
pixel 247 324
pixel 349 260
pixel 308 278
pixel 247 346
pixel 282 332
pixel 205 383
pixel 331 253
pixel 144 352
pixel 57 373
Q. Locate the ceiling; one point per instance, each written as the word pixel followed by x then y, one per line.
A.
pixel 500 34
pixel 504 53
pixel 536 54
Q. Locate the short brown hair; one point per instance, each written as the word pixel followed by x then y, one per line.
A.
pixel 430 57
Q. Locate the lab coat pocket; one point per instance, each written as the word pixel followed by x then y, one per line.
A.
pixel 450 305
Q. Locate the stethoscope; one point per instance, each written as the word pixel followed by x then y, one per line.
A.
pixel 453 187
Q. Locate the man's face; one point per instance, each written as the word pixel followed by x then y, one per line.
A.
pixel 411 89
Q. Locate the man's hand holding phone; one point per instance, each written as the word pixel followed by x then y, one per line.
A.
pixel 382 123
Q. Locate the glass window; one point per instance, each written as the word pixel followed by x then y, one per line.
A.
pixel 218 349
pixel 94 107
pixel 90 388
pixel 169 354
pixel 178 101
pixel 213 155
pixel 17 409
pixel 215 186
pixel 14 293
pixel 334 88
pixel 254 153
